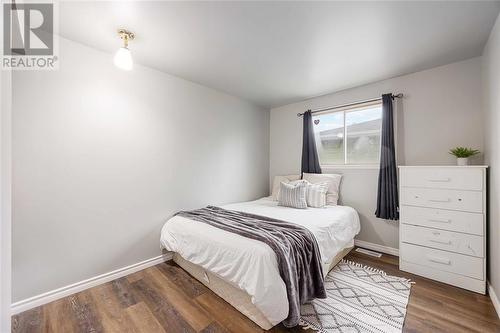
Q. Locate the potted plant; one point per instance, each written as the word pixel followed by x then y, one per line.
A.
pixel 462 154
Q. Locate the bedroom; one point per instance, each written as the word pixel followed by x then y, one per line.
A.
pixel 142 117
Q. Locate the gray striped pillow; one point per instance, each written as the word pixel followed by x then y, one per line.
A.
pixel 316 194
pixel 293 195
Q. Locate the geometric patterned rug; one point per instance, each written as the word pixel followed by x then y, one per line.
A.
pixel 359 299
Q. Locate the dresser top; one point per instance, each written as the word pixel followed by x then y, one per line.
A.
pixel 443 166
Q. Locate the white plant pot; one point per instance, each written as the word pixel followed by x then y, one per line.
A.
pixel 461 161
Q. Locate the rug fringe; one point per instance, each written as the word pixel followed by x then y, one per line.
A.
pixel 306 326
pixel 375 270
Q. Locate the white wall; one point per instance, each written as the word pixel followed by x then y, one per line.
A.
pixel 103 157
pixel 441 109
pixel 5 199
pixel 491 90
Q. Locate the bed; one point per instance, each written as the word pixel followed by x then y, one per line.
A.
pixel 243 271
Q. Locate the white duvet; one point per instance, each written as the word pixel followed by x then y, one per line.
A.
pixel 250 264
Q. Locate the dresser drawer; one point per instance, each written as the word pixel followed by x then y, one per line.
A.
pixel 479 286
pixel 469 201
pixel 444 178
pixel 444 240
pixel 445 261
pixel 471 223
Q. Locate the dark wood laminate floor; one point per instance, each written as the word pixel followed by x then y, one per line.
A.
pixel 164 298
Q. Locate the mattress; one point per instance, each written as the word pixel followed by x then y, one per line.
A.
pixel 250 265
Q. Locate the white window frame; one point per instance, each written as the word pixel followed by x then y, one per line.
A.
pixel 352 108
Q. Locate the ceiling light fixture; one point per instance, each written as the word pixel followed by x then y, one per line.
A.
pixel 123 58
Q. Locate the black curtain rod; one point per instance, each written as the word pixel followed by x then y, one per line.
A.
pixel 400 95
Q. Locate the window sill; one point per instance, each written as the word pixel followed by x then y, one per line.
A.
pixel 350 167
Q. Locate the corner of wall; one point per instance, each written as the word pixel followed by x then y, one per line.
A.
pixel 490 84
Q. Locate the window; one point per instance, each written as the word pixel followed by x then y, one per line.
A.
pixel 350 136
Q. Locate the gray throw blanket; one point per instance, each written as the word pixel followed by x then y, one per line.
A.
pixel 299 260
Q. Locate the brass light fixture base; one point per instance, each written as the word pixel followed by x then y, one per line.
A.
pixel 126 35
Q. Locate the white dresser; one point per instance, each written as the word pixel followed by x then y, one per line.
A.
pixel 443 224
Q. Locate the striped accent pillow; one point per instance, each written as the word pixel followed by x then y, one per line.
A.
pixel 285 179
pixel 332 196
pixel 316 194
pixel 293 195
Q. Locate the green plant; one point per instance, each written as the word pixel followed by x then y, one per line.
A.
pixel 462 152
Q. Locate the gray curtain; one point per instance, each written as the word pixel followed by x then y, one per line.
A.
pixel 387 195
pixel 310 160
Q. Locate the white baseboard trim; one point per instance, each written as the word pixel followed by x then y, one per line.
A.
pixel 494 299
pixel 376 247
pixel 50 296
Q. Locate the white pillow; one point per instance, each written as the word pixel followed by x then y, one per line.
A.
pixel 316 194
pixel 332 196
pixel 276 184
pixel 293 195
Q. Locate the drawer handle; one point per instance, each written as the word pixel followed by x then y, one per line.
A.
pixel 448 242
pixel 439 180
pixel 439 200
pixel 439 260
pixel 440 220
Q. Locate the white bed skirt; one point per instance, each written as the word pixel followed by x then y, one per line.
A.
pixel 238 298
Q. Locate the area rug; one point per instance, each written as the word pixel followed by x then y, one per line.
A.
pixel 359 299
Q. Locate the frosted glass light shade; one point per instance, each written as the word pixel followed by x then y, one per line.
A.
pixel 123 59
